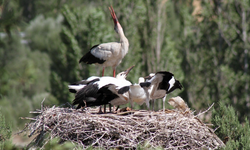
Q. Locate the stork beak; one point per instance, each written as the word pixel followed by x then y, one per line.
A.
pixel 128 70
pixel 112 12
pixel 178 84
pixel 147 77
pixel 151 75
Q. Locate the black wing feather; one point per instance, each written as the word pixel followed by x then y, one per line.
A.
pixel 167 76
pixel 88 58
pixel 105 95
pixel 123 89
pixel 72 91
pixel 145 84
pixel 86 95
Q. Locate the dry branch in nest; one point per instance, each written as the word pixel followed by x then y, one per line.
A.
pixel 173 129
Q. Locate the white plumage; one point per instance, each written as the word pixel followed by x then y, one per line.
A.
pixel 138 94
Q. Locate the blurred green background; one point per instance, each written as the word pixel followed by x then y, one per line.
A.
pixel 204 43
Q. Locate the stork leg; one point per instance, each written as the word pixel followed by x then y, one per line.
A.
pixel 117 108
pixel 147 99
pixel 153 104
pixel 164 99
pixel 132 105
pixel 104 109
pixel 103 75
pixel 100 110
pixel 114 73
pixel 147 103
pixel 103 71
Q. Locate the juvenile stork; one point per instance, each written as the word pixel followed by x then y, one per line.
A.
pixel 108 54
pixel 88 95
pixel 138 94
pixel 161 84
pixel 119 95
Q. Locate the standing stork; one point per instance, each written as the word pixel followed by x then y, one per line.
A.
pixel 108 54
pixel 161 84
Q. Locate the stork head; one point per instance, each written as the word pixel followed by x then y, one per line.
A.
pixel 123 75
pixel 176 85
pixel 149 76
pixel 116 22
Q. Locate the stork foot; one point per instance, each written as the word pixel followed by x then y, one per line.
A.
pixel 125 109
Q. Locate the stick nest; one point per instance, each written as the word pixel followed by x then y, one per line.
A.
pixel 173 129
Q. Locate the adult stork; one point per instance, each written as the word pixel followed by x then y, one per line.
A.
pixel 108 54
pixel 88 95
pixel 161 84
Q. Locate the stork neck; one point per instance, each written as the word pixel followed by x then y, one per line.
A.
pixel 122 37
pixel 123 40
pixel 120 77
pixel 121 34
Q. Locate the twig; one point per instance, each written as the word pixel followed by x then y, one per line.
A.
pixel 205 110
pixel 42 104
pixel 28 118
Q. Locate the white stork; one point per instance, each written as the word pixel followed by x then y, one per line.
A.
pixel 139 94
pixel 89 94
pixel 108 54
pixel 119 95
pixel 161 84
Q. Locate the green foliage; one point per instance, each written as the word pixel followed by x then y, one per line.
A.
pixel 5 130
pixel 9 16
pixel 43 33
pixel 229 128
pixel 49 29
pixel 67 58
pixel 55 145
pixel 24 76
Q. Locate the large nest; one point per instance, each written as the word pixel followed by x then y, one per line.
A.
pixel 173 129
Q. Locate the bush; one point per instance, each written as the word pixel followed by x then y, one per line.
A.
pixel 5 130
pixel 233 133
